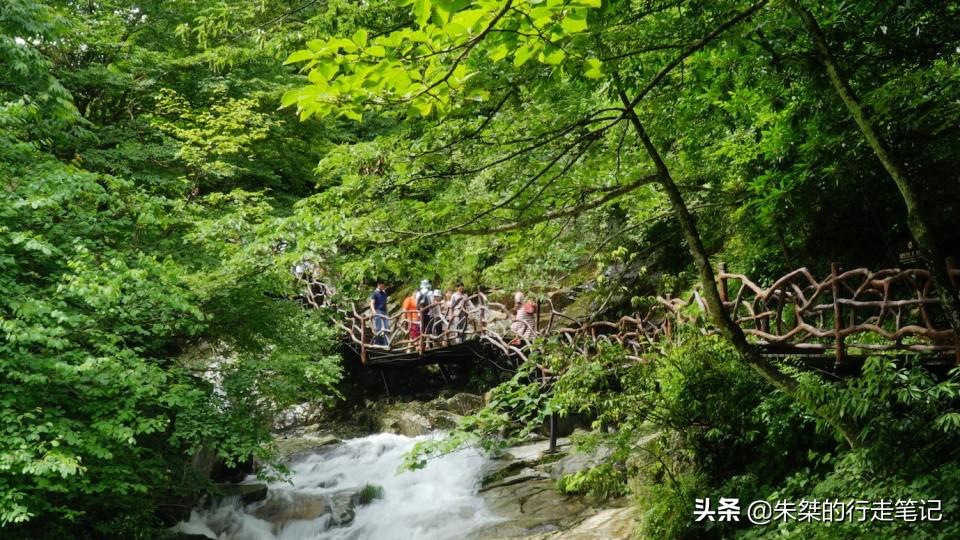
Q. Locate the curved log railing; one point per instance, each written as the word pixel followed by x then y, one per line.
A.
pixel 859 309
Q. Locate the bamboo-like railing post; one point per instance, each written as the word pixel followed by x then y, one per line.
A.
pixel 839 351
pixel 722 282
pixel 955 282
pixel 667 321
pixel 423 330
pixel 536 324
pixel 363 340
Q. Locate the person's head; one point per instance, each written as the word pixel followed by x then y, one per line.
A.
pixel 437 294
pixel 425 284
pixel 518 298
pixel 460 286
pixel 381 284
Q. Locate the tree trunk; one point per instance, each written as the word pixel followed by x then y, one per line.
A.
pixel 711 293
pixel 917 220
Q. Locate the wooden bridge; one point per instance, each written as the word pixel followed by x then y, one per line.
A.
pixel 833 321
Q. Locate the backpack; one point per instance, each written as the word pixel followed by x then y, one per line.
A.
pixel 423 299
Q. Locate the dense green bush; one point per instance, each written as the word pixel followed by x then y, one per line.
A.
pixel 754 444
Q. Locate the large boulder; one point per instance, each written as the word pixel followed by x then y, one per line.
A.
pixel 298 415
pixel 521 488
pixel 416 418
pixel 463 403
pixel 284 506
pixel 248 493
pixel 607 524
pixel 288 448
pixel 530 504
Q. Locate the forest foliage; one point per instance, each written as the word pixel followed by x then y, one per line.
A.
pixel 166 162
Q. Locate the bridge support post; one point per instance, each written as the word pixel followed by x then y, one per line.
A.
pixel 444 374
pixel 839 351
pixel 386 385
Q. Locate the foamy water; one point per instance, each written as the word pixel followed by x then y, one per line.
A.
pixel 438 502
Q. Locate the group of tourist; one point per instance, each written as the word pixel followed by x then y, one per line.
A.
pixel 430 313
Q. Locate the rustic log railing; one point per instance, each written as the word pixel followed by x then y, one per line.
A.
pixel 858 310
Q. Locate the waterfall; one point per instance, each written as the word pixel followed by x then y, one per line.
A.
pixel 435 503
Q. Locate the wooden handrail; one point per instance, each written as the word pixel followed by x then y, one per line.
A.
pixel 876 311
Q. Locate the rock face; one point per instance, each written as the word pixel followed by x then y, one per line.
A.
pixel 521 488
pixel 608 524
pixel 298 415
pixel 248 493
pixel 416 418
pixel 285 506
pixel 463 403
pixel 289 448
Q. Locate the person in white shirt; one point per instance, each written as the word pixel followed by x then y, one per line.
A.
pixel 424 299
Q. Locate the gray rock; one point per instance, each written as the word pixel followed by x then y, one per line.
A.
pixel 574 462
pixel 415 418
pixel 342 506
pixel 529 507
pixel 464 403
pixel 535 451
pixel 524 475
pixel 289 448
pixel 298 415
pixel 283 506
pixel 248 493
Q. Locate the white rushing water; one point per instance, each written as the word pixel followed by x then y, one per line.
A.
pixel 435 503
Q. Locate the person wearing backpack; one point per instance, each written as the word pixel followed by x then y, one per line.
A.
pixel 424 299
pixel 460 307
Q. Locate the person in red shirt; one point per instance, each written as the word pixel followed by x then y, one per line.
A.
pixel 412 315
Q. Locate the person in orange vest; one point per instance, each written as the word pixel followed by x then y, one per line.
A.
pixel 411 313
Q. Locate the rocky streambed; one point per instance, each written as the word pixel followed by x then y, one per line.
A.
pixel 350 489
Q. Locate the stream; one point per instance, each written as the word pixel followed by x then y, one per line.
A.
pixel 324 501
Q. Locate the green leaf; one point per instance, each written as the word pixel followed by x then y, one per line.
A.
pixel 377 50
pixel 300 56
pixel 360 38
pixel 552 55
pixel 499 53
pixel 424 107
pixel 524 53
pixel 421 12
pixel 592 68
pixel 575 21
pixel 290 97
pixel 353 113
pixel 327 69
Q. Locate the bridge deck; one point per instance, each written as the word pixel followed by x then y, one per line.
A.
pixel 467 351
pixel 477 350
